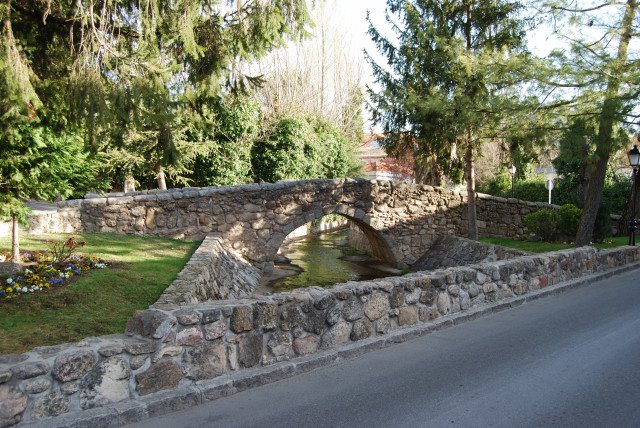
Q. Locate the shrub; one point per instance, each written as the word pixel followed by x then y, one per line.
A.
pixel 499 185
pixel 543 223
pixel 286 151
pixel 298 148
pixel 569 220
pixel 532 189
pixel 616 193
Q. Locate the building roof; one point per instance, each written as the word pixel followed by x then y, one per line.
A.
pixel 375 159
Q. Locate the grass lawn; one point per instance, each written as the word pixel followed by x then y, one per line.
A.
pixel 543 247
pixel 98 302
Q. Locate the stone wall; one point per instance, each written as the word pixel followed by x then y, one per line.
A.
pixel 66 219
pixel 167 347
pixel 213 273
pixel 399 220
pixel 449 251
pixel 444 251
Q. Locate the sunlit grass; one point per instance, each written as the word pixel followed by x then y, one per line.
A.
pixel 543 247
pixel 99 302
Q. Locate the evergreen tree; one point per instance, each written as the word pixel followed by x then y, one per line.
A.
pixel 447 83
pixel 228 133
pixel 139 71
pixel 575 145
pixel 37 160
pixel 600 81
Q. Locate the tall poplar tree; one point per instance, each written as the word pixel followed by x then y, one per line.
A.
pixel 447 82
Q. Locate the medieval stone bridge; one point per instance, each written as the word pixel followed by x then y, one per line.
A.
pixel 400 220
pixel 212 333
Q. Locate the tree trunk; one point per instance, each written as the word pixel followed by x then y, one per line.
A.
pixel 470 177
pixel 429 172
pixel 15 240
pixel 593 194
pixel 162 183
pixel 469 172
pixel 593 197
pixel 583 179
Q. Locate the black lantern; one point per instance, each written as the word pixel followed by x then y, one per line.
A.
pixel 634 162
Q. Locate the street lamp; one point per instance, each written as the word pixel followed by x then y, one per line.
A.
pixel 512 171
pixel 634 161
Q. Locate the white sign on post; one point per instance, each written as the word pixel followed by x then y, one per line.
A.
pixel 549 185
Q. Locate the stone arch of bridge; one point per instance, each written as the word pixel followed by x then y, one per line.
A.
pixel 381 246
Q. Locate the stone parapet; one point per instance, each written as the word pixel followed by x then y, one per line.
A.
pixel 213 273
pixel 173 347
pixel 400 221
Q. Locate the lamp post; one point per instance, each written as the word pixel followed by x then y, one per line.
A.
pixel 512 171
pixel 634 162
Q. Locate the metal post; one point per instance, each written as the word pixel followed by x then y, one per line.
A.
pixel 633 224
pixel 513 179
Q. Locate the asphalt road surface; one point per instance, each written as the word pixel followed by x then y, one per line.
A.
pixel 567 360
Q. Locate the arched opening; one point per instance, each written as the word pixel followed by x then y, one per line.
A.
pixel 318 253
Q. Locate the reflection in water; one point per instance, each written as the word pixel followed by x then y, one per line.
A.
pixel 318 257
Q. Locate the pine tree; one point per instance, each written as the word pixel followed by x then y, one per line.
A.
pixel 141 69
pixel 32 159
pixel 599 77
pixel 446 85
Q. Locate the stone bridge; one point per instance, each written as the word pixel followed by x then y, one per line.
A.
pixel 399 220
pixel 209 335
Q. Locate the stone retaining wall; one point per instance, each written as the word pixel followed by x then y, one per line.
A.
pixel 213 273
pixel 169 347
pixel 448 251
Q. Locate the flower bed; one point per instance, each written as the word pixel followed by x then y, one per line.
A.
pixel 48 268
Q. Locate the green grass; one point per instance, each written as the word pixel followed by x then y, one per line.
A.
pixel 543 247
pixel 100 301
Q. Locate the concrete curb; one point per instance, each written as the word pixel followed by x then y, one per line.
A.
pixel 165 402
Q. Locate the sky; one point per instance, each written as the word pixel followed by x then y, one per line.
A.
pixel 350 17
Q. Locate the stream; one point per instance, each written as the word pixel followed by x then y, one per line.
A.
pixel 324 260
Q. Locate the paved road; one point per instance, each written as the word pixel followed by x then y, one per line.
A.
pixel 568 360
